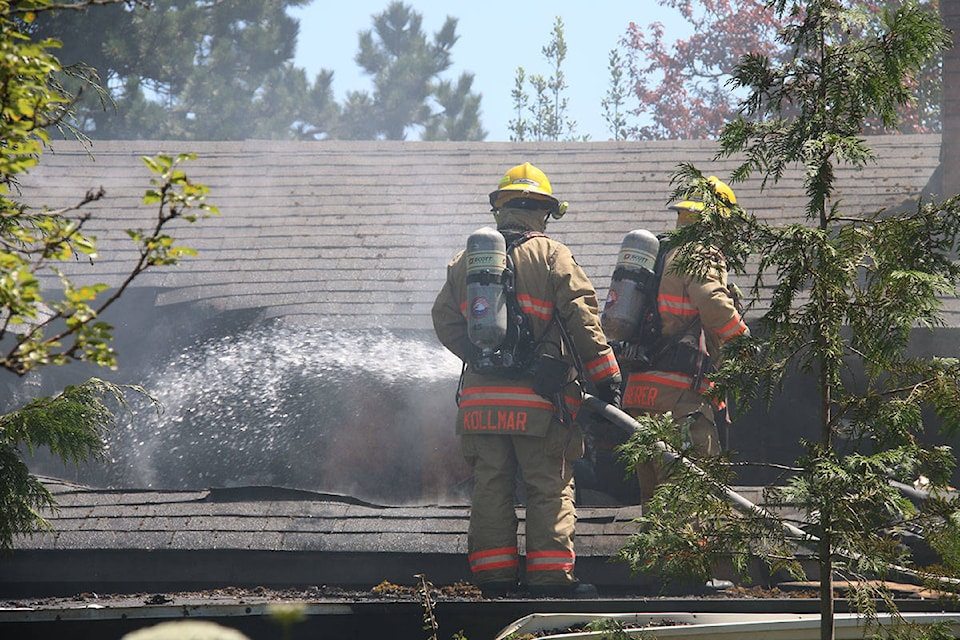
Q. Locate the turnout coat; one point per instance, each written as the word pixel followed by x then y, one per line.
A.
pixel 549 284
pixel 698 310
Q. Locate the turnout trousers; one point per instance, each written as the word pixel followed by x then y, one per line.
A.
pixel 546 467
pixel 702 434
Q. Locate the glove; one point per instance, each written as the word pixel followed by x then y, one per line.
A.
pixel 609 392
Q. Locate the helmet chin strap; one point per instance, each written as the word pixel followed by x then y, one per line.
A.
pixel 521 218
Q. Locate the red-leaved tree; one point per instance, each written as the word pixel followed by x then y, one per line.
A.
pixel 680 86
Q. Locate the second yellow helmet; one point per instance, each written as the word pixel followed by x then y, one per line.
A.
pixel 721 189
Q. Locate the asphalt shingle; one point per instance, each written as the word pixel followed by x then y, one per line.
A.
pixel 358 233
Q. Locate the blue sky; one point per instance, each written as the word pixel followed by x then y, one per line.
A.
pixel 496 37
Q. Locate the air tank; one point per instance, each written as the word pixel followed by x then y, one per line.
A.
pixel 628 286
pixel 486 258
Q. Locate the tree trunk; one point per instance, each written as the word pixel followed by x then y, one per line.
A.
pixel 950 107
pixel 826 515
pixel 826 587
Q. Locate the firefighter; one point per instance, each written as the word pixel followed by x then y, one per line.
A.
pixel 698 316
pixel 514 419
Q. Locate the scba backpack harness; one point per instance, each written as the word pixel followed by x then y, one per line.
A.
pixel 498 329
pixel 631 315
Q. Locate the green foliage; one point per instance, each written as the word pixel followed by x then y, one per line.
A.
pixel 226 73
pixel 27 101
pixel 459 115
pixel 689 523
pixel 845 290
pixel 71 425
pixel 613 103
pixel 180 70
pixel 405 69
pixel 38 329
pixel 545 117
pixel 321 111
pixel 613 629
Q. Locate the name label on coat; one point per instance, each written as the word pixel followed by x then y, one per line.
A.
pixel 640 396
pixel 494 420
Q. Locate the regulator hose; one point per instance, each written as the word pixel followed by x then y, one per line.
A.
pixel 629 424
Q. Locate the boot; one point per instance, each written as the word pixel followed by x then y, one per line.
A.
pixel 572 591
pixel 494 590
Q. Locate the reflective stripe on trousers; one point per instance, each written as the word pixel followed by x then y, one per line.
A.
pixel 493 559
pixel 549 561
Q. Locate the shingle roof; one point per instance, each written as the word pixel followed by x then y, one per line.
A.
pixel 129 540
pixel 358 233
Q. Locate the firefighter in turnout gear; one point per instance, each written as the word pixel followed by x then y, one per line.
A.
pixel 698 315
pixel 517 404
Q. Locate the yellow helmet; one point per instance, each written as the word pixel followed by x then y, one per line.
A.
pixel 527 183
pixel 721 189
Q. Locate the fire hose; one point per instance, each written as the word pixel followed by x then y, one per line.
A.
pixel 629 424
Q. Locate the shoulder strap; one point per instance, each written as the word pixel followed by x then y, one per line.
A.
pixel 665 246
pixel 515 239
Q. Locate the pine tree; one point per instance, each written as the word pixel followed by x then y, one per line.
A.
pixel 459 117
pixel 226 73
pixel 405 69
pixel 223 69
pixel 847 291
